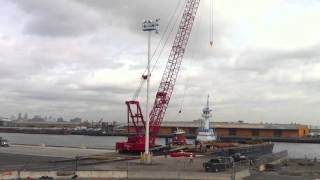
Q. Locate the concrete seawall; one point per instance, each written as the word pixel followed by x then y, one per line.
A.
pixel 7 175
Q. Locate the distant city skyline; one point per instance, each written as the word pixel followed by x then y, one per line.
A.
pixel 84 58
pixel 48 118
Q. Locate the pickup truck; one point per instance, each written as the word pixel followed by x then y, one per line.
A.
pixel 218 164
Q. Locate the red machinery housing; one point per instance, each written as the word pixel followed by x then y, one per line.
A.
pixel 179 138
pixel 136 139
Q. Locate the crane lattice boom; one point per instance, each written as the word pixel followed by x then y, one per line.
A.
pixel 170 74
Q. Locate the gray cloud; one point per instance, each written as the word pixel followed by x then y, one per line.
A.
pixel 85 58
pixel 262 60
pixel 57 18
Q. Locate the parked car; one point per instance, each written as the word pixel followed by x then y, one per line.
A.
pixel 218 164
pixel 46 177
pixel 181 154
pixel 239 157
pixel 3 142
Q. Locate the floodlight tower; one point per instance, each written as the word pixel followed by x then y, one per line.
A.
pixel 149 26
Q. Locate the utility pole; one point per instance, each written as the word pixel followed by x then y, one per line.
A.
pixel 148 25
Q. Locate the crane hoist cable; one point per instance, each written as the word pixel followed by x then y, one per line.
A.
pixel 184 94
pixel 211 23
pixel 166 34
pixel 173 21
pixel 195 38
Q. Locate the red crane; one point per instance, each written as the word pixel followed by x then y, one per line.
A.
pixel 136 123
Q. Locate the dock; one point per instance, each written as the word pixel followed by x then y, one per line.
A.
pixel 60 163
pixel 21 161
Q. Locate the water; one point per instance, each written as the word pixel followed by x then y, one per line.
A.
pixel 299 150
pixel 107 142
pixel 296 150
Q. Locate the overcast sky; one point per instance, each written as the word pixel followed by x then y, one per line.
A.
pixel 85 57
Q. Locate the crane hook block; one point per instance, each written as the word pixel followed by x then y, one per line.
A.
pixel 211 43
pixel 144 77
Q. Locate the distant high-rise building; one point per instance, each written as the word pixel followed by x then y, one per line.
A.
pixel 60 119
pixel 25 116
pixel 19 116
pixel 37 118
pixel 76 120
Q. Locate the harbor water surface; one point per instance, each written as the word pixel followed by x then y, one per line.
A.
pixel 296 150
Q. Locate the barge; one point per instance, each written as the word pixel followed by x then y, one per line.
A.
pixel 250 150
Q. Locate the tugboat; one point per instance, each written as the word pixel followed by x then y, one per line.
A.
pixel 205 133
pixel 4 142
pixel 207 141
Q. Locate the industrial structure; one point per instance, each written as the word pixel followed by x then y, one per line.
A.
pixel 168 128
pixel 136 142
pixel 240 129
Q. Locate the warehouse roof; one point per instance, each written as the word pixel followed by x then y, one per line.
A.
pixel 238 125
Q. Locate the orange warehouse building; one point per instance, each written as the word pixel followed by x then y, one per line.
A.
pixel 239 129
